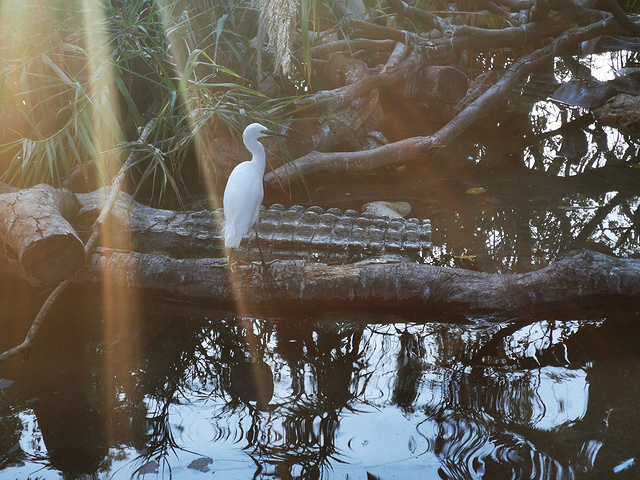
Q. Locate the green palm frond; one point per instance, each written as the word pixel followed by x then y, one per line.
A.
pixel 76 78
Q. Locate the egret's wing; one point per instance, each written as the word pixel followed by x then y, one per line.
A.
pixel 241 202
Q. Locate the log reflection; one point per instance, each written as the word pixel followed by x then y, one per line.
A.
pixel 331 396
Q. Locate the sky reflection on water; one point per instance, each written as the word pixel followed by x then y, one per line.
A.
pixel 331 396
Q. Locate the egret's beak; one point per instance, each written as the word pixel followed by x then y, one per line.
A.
pixel 276 134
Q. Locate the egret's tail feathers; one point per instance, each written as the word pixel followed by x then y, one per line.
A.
pixel 231 237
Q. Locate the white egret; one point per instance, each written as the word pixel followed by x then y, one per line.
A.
pixel 244 191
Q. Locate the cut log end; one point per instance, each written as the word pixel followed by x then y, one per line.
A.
pixel 35 231
pixel 53 259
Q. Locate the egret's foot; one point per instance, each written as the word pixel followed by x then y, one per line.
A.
pixel 264 265
pixel 231 264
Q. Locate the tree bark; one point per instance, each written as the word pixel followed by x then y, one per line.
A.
pixel 442 84
pixel 35 232
pixel 580 279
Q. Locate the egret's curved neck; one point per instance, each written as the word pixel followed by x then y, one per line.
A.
pixel 257 152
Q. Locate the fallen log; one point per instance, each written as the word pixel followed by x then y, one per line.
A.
pixel 330 236
pixel 580 279
pixel 50 248
pixel 36 233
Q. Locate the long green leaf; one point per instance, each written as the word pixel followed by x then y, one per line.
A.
pixel 58 71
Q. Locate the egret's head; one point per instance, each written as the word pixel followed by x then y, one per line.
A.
pixel 256 130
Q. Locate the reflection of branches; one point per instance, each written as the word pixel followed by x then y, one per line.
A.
pixel 597 219
pixel 529 343
pixel 627 235
pixel 535 200
pixel 492 423
pixel 540 194
pixel 472 446
pixel 160 441
pixel 493 400
pixel 320 356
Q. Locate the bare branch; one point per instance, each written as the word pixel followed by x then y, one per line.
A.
pixel 352 46
pixel 419 15
pixel 620 16
pixel 413 148
pixel 338 98
pixel 379 32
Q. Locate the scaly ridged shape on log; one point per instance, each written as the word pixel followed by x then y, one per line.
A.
pixel 330 236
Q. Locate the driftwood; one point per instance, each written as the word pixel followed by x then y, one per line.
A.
pixel 417 64
pixel 353 119
pixel 578 279
pixel 330 236
pixel 417 147
pixel 351 133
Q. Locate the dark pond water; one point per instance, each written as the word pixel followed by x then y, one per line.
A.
pixel 119 386
pixel 518 190
pixel 158 390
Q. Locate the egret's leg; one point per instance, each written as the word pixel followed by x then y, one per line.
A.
pixel 264 264
pixel 255 229
pixel 230 262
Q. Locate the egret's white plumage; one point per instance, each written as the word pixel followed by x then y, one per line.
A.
pixel 244 191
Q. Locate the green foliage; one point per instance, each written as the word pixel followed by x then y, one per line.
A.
pixel 632 6
pixel 78 78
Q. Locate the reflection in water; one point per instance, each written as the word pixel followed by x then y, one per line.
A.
pixel 517 191
pixel 339 396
